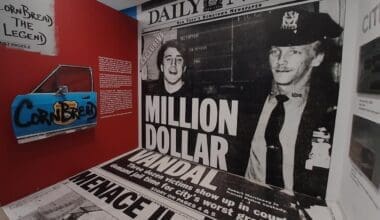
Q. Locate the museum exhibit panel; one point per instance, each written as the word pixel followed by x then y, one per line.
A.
pixel 189 109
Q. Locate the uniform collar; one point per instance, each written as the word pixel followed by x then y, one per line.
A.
pixel 298 95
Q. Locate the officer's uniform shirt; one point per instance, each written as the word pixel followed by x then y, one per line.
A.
pixel 294 107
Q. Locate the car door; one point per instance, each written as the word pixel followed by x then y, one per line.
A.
pixel 64 102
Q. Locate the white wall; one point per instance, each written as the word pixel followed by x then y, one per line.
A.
pixel 353 198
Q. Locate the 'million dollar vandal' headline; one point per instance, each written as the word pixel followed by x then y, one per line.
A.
pixel 192 185
pixel 207 116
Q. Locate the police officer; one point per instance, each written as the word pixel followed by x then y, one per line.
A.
pixel 295 117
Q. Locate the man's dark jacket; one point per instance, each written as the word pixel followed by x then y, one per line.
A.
pixel 319 112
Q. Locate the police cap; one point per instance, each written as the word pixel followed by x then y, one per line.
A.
pixel 298 27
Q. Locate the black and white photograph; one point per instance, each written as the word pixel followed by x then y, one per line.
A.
pixel 250 89
pixel 365 148
pixel 369 68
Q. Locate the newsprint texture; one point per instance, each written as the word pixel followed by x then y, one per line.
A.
pixel 149 185
pixel 208 71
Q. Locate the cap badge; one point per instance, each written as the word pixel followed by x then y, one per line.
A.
pixel 290 20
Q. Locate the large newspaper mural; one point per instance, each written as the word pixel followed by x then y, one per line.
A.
pixel 148 185
pixel 249 87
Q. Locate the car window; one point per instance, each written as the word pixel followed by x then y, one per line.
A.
pixel 74 78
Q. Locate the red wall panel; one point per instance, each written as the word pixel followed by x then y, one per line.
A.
pixel 84 30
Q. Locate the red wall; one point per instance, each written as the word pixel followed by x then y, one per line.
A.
pixel 85 29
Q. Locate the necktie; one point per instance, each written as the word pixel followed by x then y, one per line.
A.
pixel 274 174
